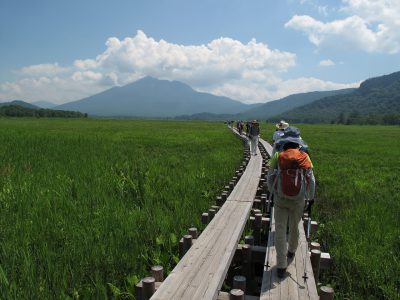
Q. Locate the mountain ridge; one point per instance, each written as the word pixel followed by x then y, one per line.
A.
pixel 376 99
pixel 153 98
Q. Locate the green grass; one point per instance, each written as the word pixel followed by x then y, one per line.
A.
pixel 358 177
pixel 88 206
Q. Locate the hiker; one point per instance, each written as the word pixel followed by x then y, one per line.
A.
pixel 278 134
pixel 291 180
pixel 254 133
pixel 240 127
pixel 247 128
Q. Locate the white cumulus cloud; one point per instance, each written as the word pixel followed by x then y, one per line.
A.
pixel 249 72
pixel 220 60
pixel 372 26
pixel 326 63
pixel 43 70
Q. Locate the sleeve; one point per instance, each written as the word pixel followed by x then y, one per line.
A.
pixel 311 185
pixel 273 162
pixel 272 171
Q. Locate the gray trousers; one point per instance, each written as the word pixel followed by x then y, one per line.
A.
pixel 253 144
pixel 286 210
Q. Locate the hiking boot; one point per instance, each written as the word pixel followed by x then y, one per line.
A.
pixel 281 272
pixel 290 255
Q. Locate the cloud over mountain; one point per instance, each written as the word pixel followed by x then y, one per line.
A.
pixel 249 72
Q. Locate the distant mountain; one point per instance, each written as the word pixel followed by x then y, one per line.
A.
pixel 19 103
pixel 269 109
pixel 44 104
pixel 276 107
pixel 377 100
pixel 154 98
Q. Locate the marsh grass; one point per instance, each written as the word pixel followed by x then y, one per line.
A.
pixel 88 206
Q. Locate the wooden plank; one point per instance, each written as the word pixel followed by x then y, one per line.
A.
pixel 299 262
pixel 270 281
pixel 267 147
pixel 292 286
pixel 310 282
pixel 248 183
pixel 201 272
pixel 291 280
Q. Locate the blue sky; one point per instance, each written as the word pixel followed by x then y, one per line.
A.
pixel 252 51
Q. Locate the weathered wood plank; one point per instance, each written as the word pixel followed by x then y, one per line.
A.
pixel 293 286
pixel 299 262
pixel 270 280
pixel 310 282
pixel 267 146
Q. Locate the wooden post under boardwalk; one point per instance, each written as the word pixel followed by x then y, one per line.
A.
pixel 239 282
pixel 187 243
pixel 204 218
pixel 315 245
pixel 249 239
pixel 315 262
pixel 326 293
pixel 211 213
pixel 158 273
pixel 236 294
pixel 247 261
pixel 193 232
pixel 224 196
pixel 149 287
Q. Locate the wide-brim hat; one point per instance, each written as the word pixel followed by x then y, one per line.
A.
pixel 291 134
pixel 291 131
pixel 283 141
pixel 282 125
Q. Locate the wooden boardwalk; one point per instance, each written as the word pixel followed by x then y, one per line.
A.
pixel 293 286
pixel 202 270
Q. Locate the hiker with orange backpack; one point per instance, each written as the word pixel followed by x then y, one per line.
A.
pixel 291 180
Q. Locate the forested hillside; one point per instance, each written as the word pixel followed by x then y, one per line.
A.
pixel 20 111
pixel 377 101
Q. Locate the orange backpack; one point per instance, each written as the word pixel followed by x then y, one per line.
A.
pixel 293 174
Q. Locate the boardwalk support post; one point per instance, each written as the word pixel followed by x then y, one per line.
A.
pixel 149 287
pixel 236 294
pixel 187 243
pixel 239 282
pixel 247 261
pixel 211 213
pixel 315 245
pixel 249 239
pixel 204 218
pixel 193 232
pixel 315 262
pixel 326 293
pixel 158 273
